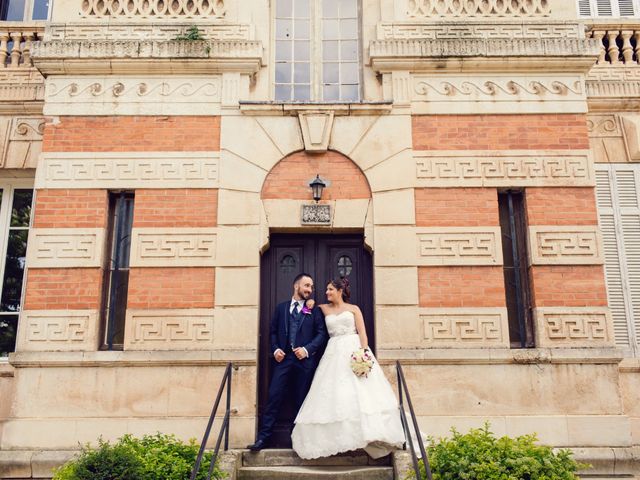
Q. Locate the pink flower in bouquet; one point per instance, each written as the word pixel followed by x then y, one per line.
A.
pixel 362 362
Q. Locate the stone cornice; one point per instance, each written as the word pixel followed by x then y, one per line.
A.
pixel 550 55
pixel 132 57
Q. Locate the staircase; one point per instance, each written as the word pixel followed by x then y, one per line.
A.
pixel 286 465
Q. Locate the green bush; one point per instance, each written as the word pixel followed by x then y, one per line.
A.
pixel 153 457
pixel 479 455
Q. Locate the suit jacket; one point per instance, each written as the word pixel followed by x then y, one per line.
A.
pixel 312 333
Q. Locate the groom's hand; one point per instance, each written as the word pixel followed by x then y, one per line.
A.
pixel 279 355
pixel 301 353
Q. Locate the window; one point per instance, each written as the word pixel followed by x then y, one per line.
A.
pixel 516 272
pixel 24 10
pixel 317 51
pixel 15 218
pixel 116 280
pixel 618 196
pixel 608 8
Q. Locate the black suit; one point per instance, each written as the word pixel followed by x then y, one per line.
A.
pixel 292 376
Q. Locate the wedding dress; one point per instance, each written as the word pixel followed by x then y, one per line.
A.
pixel 344 412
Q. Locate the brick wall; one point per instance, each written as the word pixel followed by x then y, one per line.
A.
pixel 568 286
pixel 449 287
pixel 158 287
pixel 63 289
pixel 176 208
pixel 456 207
pixel 290 178
pixel 561 206
pixel 79 208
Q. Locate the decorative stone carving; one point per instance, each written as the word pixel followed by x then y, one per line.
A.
pixel 503 168
pixel 631 123
pixel 173 247
pixel 573 327
pixel 459 246
pixel 565 245
pixel 97 31
pixel 464 328
pixel 478 8
pixel 180 329
pixel 132 95
pixel 128 170
pixel 58 330
pixel 154 9
pixel 21 141
pixel 316 130
pixel 65 247
pixel 607 139
pixel 316 214
pixel 478 29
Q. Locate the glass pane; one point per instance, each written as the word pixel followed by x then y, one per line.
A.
pixel 284 8
pixel 124 212
pixel 283 93
pixel 284 29
pixel 350 93
pixel 40 10
pixel 349 73
pixel 301 29
pixel 349 50
pixel 330 93
pixel 330 29
pixel 14 270
pixel 15 10
pixel 330 73
pixel 348 8
pixel 302 93
pixel 287 264
pixel 330 50
pixel 283 73
pixel 21 209
pixel 330 8
pixel 348 29
pixel 302 73
pixel 8 329
pixel 301 51
pixel 283 51
pixel 301 8
pixel 118 288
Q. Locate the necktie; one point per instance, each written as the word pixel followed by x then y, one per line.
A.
pixel 296 307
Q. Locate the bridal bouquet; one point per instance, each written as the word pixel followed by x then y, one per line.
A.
pixel 361 362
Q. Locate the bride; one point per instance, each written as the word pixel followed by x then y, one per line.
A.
pixel 344 412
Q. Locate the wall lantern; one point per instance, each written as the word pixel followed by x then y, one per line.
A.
pixel 317 185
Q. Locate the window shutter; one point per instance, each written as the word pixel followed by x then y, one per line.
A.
pixel 603 8
pixel 613 264
pixel 584 8
pixel 626 8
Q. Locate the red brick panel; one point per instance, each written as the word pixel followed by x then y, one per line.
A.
pixel 444 287
pixel 176 208
pixel 71 209
pixel 132 134
pixel 63 289
pixel 456 207
pixel 568 286
pixel 561 206
pixel 289 179
pixel 500 132
pixel 157 287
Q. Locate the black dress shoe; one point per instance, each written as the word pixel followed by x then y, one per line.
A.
pixel 258 445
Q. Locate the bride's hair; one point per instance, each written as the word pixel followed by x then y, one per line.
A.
pixel 342 284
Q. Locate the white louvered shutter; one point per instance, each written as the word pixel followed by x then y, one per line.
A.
pixel 603 8
pixel 608 8
pixel 625 8
pixel 584 8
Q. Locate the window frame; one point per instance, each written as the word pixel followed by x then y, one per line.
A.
pixel 615 10
pixel 27 14
pixel 315 55
pixel 10 185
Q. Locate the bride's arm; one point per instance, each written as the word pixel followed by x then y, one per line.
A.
pixel 362 331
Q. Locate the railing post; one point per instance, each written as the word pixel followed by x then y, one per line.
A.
pixel 226 432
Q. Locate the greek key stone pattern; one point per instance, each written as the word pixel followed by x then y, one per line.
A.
pixel 459 248
pixel 462 30
pixel 468 169
pixel 576 327
pixel 133 172
pixel 462 330
pixel 60 248
pixel 173 248
pixel 170 330
pixel 144 31
pixel 565 246
pixel 58 330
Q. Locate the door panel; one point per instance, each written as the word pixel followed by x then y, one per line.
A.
pixel 323 257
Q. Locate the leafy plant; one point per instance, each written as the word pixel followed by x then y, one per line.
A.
pixel 153 457
pixel 191 35
pixel 479 455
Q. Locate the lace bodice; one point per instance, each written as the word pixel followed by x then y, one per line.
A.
pixel 343 323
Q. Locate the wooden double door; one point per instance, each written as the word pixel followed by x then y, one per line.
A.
pixel 323 257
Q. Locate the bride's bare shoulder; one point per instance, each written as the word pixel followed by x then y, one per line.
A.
pixel 324 307
pixel 354 308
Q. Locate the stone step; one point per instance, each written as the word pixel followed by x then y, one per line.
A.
pixel 316 473
pixel 287 457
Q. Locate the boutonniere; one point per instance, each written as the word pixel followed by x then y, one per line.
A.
pixel 306 309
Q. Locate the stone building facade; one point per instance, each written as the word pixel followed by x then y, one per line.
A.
pixel 483 193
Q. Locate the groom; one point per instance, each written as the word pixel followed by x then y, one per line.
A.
pixel 296 338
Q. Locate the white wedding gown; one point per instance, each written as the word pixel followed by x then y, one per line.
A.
pixel 343 412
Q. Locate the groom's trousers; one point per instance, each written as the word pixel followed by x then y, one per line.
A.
pixel 290 378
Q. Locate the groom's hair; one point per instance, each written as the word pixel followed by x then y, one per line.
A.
pixel 299 277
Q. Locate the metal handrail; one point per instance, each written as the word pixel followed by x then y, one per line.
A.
pixel 224 430
pixel 402 388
